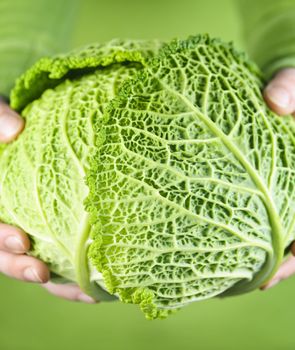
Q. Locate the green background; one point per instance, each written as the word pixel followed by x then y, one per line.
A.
pixel 31 319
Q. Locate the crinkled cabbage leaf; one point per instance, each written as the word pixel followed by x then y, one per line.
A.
pixel 157 176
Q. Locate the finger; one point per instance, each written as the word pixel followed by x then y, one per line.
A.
pixel 280 92
pixel 11 124
pixel 13 239
pixel 286 270
pixel 23 267
pixel 69 292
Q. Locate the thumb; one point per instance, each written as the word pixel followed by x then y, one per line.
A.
pixel 11 124
pixel 280 92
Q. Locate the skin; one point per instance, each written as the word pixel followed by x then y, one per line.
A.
pixel 279 94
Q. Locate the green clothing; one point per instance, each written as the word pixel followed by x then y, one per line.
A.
pixel 269 32
pixel 30 29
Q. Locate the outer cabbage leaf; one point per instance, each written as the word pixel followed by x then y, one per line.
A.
pixel 48 72
pixel 190 177
pixel 42 173
pixel 192 185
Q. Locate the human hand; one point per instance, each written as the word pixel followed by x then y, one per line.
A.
pixel 14 243
pixel 279 94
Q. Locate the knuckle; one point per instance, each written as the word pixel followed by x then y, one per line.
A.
pixel 7 265
pixel 16 266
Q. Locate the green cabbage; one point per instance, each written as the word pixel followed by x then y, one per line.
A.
pixel 155 175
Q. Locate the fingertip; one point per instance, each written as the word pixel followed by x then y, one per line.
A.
pixel 279 94
pixel 84 298
pixel 37 272
pixel 43 271
pixel 70 292
pixel 11 124
pixel 286 270
pixel 270 284
pixel 13 239
pixel 278 98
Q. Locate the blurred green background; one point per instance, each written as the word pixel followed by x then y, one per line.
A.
pixel 30 319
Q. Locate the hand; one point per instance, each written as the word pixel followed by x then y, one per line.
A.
pixel 279 94
pixel 14 243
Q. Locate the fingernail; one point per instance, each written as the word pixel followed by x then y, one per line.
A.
pixel 279 96
pixel 10 125
pixel 31 275
pixel 271 284
pixel 86 298
pixel 15 244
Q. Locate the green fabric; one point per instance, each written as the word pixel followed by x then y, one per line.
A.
pixel 30 29
pixel 269 31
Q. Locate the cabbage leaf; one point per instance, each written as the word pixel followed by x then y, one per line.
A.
pixel 189 177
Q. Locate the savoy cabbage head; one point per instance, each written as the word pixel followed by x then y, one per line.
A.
pixel 155 175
